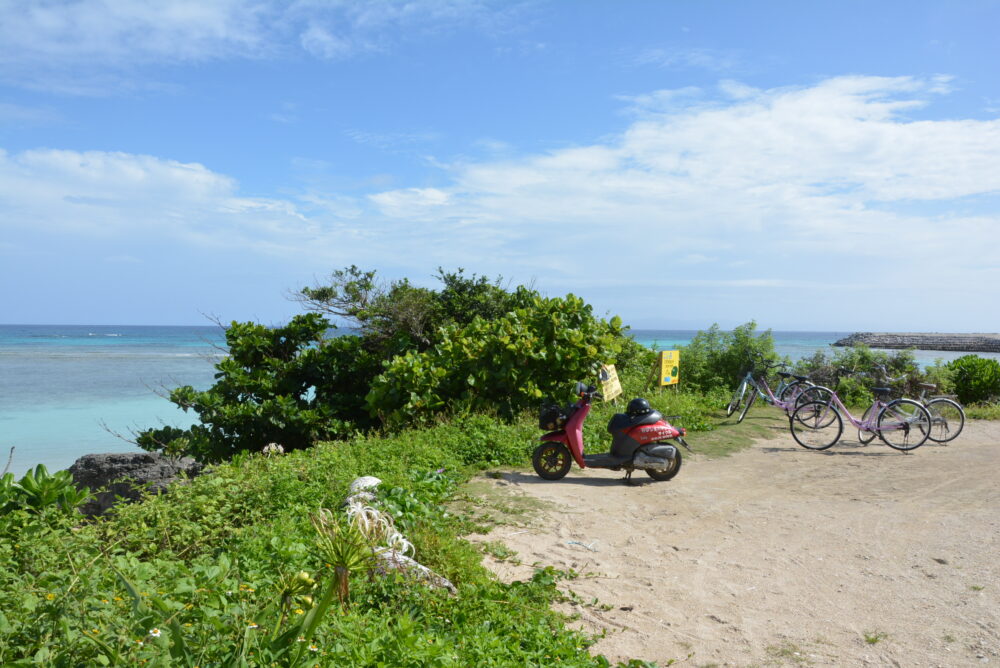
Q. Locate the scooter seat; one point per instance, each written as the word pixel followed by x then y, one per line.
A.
pixel 622 421
pixel 652 417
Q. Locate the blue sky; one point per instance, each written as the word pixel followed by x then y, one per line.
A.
pixel 810 165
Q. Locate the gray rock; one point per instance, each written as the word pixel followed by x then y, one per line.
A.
pixel 988 343
pixel 127 475
pixel 391 561
pixel 365 483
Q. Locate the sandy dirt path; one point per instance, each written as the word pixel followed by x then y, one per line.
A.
pixel 782 556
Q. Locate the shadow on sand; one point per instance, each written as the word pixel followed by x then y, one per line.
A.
pixel 570 479
pixel 843 449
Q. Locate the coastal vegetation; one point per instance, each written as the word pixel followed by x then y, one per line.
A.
pixel 257 564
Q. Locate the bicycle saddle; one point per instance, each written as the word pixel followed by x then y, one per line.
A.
pixel 927 386
pixel 784 374
pixel 878 391
pixel 801 377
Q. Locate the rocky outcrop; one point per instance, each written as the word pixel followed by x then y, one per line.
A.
pixel 127 475
pixel 972 343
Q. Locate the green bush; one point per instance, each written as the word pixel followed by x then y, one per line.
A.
pixel 210 574
pixel 942 375
pixel 853 371
pixel 469 347
pixel 715 359
pixel 290 385
pixel 504 366
pixel 38 491
pixel 977 379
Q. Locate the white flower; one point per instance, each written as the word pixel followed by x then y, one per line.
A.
pixel 155 633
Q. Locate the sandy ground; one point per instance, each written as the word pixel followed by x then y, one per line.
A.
pixel 856 556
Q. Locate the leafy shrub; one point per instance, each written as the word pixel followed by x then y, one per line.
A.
pixel 397 316
pixel 716 359
pixel 205 575
pixel 471 346
pixel 505 365
pixel 942 375
pixel 39 490
pixel 289 385
pixel 977 379
pixel 853 371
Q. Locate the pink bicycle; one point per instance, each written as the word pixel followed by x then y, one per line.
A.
pixel 903 424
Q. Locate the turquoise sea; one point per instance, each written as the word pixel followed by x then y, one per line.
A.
pixel 67 390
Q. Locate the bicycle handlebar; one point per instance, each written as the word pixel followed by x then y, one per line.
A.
pixel 885 373
pixel 756 357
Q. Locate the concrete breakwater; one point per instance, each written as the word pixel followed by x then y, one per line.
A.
pixel 972 343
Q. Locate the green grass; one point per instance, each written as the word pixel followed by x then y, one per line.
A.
pixel 788 652
pixel 874 637
pixel 983 411
pixel 499 551
pixel 728 437
pixel 211 565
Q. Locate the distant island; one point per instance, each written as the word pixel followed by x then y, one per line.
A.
pixel 971 343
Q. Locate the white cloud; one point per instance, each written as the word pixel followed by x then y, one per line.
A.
pixel 415 203
pixel 17 115
pixel 86 47
pixel 790 200
pixel 120 195
pixel 391 141
pixel 321 43
pixel 828 178
pixel 110 31
pixel 715 60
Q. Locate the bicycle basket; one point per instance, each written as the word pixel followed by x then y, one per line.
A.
pixel 551 417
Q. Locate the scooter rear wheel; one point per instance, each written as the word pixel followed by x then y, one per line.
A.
pixel 552 460
pixel 669 473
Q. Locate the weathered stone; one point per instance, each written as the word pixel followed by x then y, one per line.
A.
pixel 391 561
pixel 972 343
pixel 365 483
pixel 127 475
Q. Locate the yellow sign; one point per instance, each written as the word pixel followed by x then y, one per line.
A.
pixel 670 362
pixel 611 387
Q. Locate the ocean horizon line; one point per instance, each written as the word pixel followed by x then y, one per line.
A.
pixel 630 328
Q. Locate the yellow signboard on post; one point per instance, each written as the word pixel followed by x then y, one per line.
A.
pixel 670 362
pixel 611 387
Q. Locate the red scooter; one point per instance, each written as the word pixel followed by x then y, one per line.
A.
pixel 638 440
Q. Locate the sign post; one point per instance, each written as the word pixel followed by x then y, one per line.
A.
pixel 611 387
pixel 669 366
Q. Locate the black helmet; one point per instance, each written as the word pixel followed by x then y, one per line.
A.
pixel 638 407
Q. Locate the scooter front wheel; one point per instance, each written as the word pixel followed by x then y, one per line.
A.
pixel 552 460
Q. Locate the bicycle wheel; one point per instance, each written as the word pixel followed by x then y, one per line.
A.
pixel 746 405
pixel 947 419
pixel 866 437
pixel 734 403
pixel 904 424
pixel 792 389
pixel 816 425
pixel 814 393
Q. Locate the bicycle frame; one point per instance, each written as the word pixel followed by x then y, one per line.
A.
pixel 765 393
pixel 871 423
